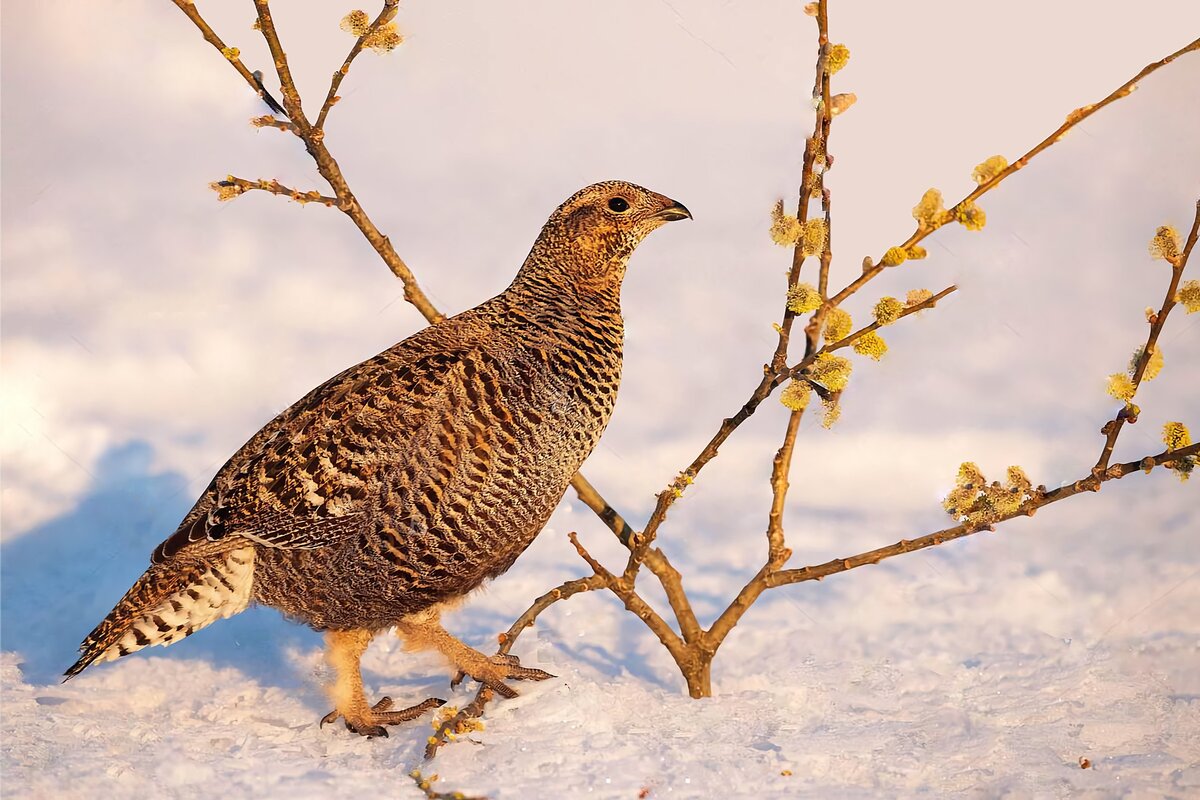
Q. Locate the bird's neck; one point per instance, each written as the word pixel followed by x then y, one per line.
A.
pixel 563 301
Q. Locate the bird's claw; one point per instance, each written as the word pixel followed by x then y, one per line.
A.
pixel 371 723
pixel 499 668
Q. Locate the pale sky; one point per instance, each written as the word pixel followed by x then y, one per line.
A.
pixel 136 307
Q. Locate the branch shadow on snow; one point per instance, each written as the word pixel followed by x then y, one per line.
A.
pixel 59 580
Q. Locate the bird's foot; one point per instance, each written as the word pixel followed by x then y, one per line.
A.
pixel 493 671
pixel 370 721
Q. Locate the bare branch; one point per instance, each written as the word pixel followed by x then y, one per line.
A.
pixel 608 515
pixel 507 639
pixel 777 552
pixel 269 121
pixel 231 54
pixel 233 186
pixel 287 85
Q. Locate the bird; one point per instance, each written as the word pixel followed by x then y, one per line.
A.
pixel 391 491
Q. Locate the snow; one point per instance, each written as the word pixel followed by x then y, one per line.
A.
pixel 149 330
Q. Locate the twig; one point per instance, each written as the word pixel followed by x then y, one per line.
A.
pixel 425 784
pixel 241 185
pixel 1090 483
pixel 326 165
pixel 188 7
pixel 507 640
pixel 268 121
pixel 814 149
pixel 1074 118
pixel 929 302
pixel 287 85
pixel 386 14
pixel 777 552
pixel 1112 429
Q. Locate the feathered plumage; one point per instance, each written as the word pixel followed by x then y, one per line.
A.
pixel 409 479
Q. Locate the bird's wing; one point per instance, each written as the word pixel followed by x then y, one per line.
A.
pixel 311 477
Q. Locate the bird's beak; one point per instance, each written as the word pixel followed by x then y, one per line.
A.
pixel 673 212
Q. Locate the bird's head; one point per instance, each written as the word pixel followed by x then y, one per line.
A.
pixel 592 235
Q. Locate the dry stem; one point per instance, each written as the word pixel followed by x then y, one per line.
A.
pixel 386 14
pixel 275 187
pixel 1112 429
pixel 1074 118
pixel 1090 483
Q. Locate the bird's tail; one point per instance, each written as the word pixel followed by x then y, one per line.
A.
pixel 168 603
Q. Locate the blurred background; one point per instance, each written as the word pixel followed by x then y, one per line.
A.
pixel 149 330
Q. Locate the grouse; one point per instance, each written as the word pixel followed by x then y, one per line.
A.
pixel 395 488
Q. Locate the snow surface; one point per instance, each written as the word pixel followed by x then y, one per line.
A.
pixel 148 331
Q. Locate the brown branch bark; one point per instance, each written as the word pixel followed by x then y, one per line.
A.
pixel 1112 429
pixel 274 187
pixel 188 7
pixel 325 163
pixel 268 121
pixel 386 14
pixel 1074 118
pixel 1089 483
pixel 930 302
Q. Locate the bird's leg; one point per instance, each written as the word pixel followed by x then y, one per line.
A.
pixel 344 649
pixel 424 632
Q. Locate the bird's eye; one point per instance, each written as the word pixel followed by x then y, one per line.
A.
pixel 618 204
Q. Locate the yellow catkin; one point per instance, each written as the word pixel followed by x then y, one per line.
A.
pixel 795 395
pixel 785 228
pixel 1017 479
pixel 383 39
pixel 356 22
pixel 1165 244
pixel 813 237
pixel 802 298
pixel 916 252
pixel 888 310
pixel 1121 386
pixel 1189 296
pixel 837 57
pixel 226 191
pixel 978 502
pixel 870 344
pixel 231 53
pixel 930 213
pixel 832 371
pixel 1176 435
pixel 989 169
pixel 894 256
pixel 838 324
pixel 1154 364
pixel 841 103
pixel 833 412
pixel 970 215
pixel 917 296
pixel 969 475
pixel 959 500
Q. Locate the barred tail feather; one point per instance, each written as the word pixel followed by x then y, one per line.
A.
pixel 168 603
